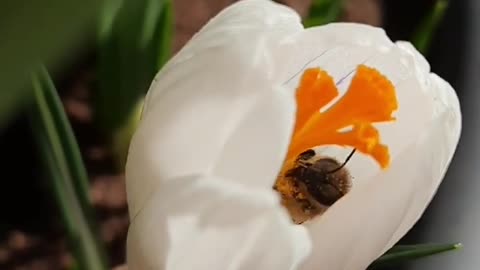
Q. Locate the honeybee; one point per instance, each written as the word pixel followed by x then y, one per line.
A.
pixel 312 184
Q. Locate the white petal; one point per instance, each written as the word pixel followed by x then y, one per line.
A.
pixel 362 225
pixel 199 222
pixel 447 109
pixel 217 94
pixel 255 151
pixel 248 31
pixel 243 139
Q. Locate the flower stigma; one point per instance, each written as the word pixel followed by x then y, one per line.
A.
pixel 308 183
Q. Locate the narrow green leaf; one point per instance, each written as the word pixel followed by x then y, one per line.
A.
pixel 402 253
pixel 426 30
pixel 121 138
pixel 67 173
pixel 323 12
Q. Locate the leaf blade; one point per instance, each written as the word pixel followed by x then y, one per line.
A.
pixel 424 34
pixel 410 252
pixel 54 135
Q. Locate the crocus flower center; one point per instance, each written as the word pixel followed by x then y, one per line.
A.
pixel 370 99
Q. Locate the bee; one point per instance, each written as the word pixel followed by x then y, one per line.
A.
pixel 314 184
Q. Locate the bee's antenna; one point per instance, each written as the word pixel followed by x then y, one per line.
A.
pixel 345 162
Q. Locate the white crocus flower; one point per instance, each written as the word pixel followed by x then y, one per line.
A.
pixel 217 127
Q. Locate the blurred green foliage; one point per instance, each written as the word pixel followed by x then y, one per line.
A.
pixel 425 32
pixel 323 12
pixel 401 253
pixel 134 42
pixel 33 30
pixel 135 38
pixel 66 172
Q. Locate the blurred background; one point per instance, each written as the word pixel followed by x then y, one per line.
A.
pixel 72 77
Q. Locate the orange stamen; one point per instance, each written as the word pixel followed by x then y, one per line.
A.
pixel 370 98
pixel 316 90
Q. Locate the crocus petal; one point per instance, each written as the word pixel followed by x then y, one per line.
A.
pixel 215 95
pixel 246 30
pixel 205 222
pixel 425 190
pixel 257 166
pixel 370 219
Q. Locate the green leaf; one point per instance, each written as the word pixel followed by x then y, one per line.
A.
pixel 33 30
pixel 425 32
pixel 121 138
pixel 323 12
pixel 402 253
pixel 135 41
pixel 66 171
